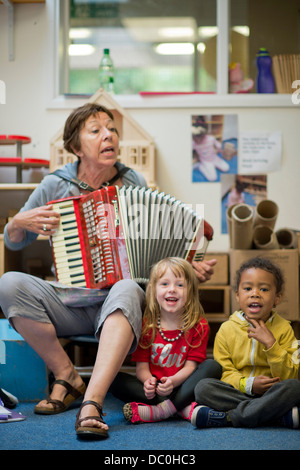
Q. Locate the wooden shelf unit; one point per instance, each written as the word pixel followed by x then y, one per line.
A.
pixel 36 258
pixel 215 300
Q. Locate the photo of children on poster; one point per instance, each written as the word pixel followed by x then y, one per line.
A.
pixel 214 146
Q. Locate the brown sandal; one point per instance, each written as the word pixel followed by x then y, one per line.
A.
pixel 58 405
pixel 90 432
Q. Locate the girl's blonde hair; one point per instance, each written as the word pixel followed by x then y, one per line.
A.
pixel 193 310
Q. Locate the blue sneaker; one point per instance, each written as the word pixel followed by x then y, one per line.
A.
pixel 205 417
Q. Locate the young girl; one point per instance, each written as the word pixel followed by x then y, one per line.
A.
pixel 206 150
pixel 171 355
pixel 258 352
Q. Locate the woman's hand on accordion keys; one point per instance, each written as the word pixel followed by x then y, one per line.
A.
pixel 41 220
pixel 204 269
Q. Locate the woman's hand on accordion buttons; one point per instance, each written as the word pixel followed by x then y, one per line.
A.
pixel 204 269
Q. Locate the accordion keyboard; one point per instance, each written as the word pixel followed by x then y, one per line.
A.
pixel 66 246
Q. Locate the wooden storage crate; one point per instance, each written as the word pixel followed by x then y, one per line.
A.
pixel 215 301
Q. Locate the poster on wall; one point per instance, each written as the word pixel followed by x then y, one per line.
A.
pixel 214 147
pixel 260 152
pixel 238 189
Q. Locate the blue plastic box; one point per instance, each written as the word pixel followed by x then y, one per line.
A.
pixel 22 372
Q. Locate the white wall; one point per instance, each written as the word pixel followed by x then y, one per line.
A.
pixel 29 89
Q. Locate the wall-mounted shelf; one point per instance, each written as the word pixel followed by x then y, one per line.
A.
pixel 18 187
pixel 25 164
pixel 23 1
pixel 18 162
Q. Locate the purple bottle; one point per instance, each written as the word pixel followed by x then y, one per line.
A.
pixel 264 80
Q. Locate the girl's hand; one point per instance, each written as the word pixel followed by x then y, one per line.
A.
pixel 150 387
pixel 165 387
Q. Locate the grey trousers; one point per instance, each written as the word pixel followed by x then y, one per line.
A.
pixel 23 295
pixel 249 411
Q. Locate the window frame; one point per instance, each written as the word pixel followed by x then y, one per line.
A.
pixel 222 98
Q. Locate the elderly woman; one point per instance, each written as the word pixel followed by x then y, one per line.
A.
pixel 41 312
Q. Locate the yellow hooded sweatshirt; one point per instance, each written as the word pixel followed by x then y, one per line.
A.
pixel 243 359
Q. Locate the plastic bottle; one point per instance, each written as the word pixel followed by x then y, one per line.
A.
pixel 106 72
pixel 264 80
pixel 111 86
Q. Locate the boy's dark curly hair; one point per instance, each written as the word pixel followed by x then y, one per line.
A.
pixel 266 265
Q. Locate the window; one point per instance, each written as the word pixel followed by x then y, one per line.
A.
pixel 272 24
pixel 171 45
pixel 157 45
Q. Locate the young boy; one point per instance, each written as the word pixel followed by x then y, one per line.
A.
pixel 259 356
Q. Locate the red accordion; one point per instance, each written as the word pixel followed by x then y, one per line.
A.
pixel 112 234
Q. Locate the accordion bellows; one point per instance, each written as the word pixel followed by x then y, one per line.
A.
pixel 120 233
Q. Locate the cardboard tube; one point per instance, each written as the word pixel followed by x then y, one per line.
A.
pixel 286 238
pixel 229 223
pixel 264 238
pixel 266 213
pixel 241 227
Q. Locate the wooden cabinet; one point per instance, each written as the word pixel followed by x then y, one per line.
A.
pixel 215 300
pixel 13 196
pixel 35 259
